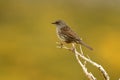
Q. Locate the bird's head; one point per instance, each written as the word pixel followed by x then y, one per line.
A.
pixel 59 23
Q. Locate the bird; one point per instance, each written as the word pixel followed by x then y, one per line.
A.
pixel 67 35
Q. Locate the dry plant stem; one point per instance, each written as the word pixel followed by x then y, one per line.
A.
pixel 89 75
pixel 100 68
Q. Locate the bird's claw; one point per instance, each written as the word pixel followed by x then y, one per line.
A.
pixel 59 45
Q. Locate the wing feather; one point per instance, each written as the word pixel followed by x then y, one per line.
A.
pixel 70 34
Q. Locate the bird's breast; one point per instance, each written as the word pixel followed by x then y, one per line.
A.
pixel 60 35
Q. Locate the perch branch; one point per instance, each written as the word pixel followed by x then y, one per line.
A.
pixel 100 68
pixel 89 75
pixel 81 55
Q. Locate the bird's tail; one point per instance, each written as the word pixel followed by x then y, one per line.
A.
pixel 84 44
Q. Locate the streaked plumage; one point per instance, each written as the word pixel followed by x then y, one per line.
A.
pixel 66 34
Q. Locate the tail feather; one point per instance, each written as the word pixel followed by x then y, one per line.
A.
pixel 84 44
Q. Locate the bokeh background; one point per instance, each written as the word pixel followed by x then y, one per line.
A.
pixel 28 39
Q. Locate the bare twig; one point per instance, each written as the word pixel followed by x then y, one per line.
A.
pixel 89 75
pixel 94 64
pixel 81 55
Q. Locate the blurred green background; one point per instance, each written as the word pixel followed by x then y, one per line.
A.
pixel 28 39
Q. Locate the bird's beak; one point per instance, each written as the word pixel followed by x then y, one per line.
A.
pixel 54 23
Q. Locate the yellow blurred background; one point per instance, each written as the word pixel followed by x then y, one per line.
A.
pixel 28 39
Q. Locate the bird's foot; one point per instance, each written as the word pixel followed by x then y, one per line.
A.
pixel 59 44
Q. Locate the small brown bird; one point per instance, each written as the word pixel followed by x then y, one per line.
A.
pixel 66 34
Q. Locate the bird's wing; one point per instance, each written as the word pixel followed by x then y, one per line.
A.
pixel 70 33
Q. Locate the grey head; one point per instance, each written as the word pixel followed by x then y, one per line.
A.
pixel 59 23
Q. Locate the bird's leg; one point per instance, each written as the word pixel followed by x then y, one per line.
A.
pixel 59 44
